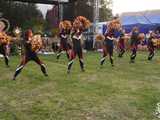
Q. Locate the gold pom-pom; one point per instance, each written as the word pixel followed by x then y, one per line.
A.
pixel 36 43
pixel 100 37
pixel 4 38
pixel 156 42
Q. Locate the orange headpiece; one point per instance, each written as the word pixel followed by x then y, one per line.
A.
pixel 81 23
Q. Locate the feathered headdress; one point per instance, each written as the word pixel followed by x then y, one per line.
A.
pixel 114 25
pixel 81 23
pixel 67 25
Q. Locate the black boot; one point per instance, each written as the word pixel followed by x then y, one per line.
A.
pixel 111 60
pixel 121 54
pixel 69 66
pixel 58 56
pixel 43 69
pixel 102 61
pixel 82 65
pixel 6 61
pixel 18 71
pixel 150 56
pixel 67 55
pixel 132 59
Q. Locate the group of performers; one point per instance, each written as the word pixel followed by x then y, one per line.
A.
pixel 31 45
pixel 108 41
pixel 70 40
pixel 70 35
pixel 137 38
pixel 124 42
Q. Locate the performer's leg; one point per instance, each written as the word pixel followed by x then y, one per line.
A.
pixel 67 54
pixel 72 56
pixel 103 57
pixel 110 51
pixel 133 55
pixel 121 52
pixel 21 66
pixel 67 49
pixel 151 54
pixel 41 64
pixel 4 53
pixel 80 56
pixel 6 60
pixel 59 53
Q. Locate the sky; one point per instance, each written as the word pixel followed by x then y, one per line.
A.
pixel 120 6
pixel 44 8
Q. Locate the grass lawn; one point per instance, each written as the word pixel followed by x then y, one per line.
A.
pixel 124 92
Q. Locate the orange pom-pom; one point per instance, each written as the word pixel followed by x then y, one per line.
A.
pixel 100 37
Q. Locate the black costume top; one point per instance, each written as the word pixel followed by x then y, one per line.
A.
pixel 28 47
pixel 134 38
pixel 63 36
pixel 150 42
pixel 2 49
pixel 76 40
pixel 109 39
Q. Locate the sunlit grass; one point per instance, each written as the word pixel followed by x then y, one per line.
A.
pixel 124 92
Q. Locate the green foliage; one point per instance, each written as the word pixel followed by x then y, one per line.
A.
pixel 21 14
pixel 86 8
pixel 78 8
pixel 125 92
pixel 55 31
pixel 14 49
pixel 105 10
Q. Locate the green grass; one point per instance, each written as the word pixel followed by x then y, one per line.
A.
pixel 125 92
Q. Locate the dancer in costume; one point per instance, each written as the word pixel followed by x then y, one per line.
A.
pixel 65 28
pixel 108 46
pixel 79 25
pixel 121 44
pixel 4 40
pixel 151 46
pixel 32 44
pixel 4 47
pixel 108 43
pixel 134 44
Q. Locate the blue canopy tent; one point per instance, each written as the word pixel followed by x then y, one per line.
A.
pixel 145 21
pixel 155 19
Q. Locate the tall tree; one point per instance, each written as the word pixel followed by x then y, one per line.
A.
pixel 86 8
pixel 105 10
pixel 76 8
pixel 21 14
